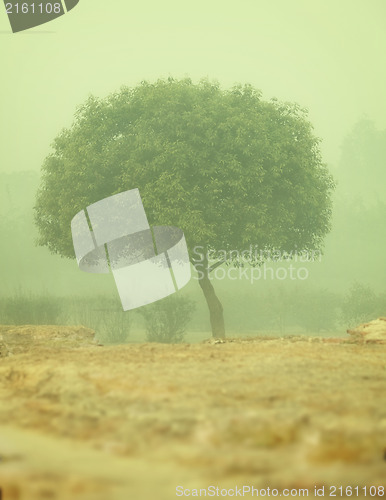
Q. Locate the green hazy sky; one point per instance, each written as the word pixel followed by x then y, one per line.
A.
pixel 327 55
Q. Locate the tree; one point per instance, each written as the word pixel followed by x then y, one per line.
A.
pixel 355 246
pixel 229 169
pixel 362 174
pixel 362 304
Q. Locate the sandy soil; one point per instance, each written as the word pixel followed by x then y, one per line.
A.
pixel 136 421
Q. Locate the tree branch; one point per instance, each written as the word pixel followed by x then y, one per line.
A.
pixel 216 264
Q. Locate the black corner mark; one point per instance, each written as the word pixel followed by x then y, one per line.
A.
pixel 25 14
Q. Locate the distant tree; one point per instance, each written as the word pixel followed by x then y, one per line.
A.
pixel 362 169
pixel 228 168
pixel 361 304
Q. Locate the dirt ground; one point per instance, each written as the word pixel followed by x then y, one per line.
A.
pixel 136 421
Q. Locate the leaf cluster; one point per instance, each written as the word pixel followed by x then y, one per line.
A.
pixel 228 168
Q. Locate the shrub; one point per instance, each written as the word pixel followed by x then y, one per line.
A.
pixel 166 320
pixel 362 304
pixel 103 314
pixel 24 308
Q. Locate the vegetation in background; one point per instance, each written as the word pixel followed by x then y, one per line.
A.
pixel 318 310
pixel 277 309
pixel 362 172
pixel 362 304
pixel 284 309
pixel 354 250
pixel 166 320
pixel 229 169
pixel 24 308
pixel 103 314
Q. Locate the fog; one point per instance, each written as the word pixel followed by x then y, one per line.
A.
pixel 325 56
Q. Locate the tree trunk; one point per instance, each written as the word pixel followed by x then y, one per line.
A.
pixel 214 305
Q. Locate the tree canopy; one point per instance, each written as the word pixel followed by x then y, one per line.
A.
pixel 228 168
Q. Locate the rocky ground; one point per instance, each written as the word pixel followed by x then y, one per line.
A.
pixel 83 421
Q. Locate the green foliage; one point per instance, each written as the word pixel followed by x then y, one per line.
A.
pixel 167 319
pixel 100 313
pixel 275 306
pixel 103 314
pixel 356 243
pixel 313 310
pixel 228 168
pixel 317 310
pixel 282 308
pixel 362 304
pixel 362 167
pixel 24 308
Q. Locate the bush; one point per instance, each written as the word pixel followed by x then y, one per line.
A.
pixel 114 327
pixel 166 320
pixel 30 309
pixel 103 314
pixel 362 304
